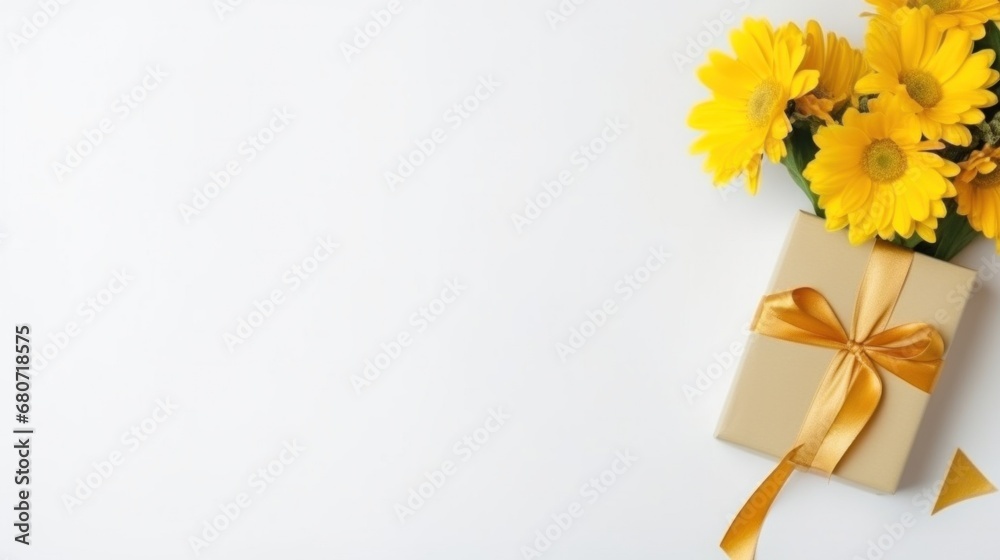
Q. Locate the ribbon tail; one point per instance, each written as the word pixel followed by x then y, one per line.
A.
pixel 740 542
pixel 862 400
pixel 826 406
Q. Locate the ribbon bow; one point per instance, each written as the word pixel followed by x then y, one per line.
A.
pixel 851 389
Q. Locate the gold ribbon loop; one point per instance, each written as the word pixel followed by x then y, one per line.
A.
pixel 912 352
pixel 801 315
pixel 851 389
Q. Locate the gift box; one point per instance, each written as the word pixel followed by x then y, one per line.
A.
pixel 778 381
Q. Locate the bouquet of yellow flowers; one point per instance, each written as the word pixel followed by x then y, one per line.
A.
pixel 900 144
pixel 899 141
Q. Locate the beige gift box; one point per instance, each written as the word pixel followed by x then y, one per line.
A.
pixel 776 381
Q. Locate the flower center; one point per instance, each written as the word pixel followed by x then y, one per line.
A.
pixel 884 161
pixel 922 87
pixel 941 6
pixel 764 101
pixel 989 180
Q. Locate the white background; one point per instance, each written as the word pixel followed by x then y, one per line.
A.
pixel 496 346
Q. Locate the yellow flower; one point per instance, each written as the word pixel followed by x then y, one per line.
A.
pixel 875 175
pixel 934 72
pixel 978 187
pixel 970 15
pixel 839 67
pixel 746 116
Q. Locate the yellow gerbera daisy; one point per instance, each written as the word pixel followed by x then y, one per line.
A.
pixel 970 15
pixel 746 116
pixel 978 187
pixel 875 175
pixel 934 72
pixel 839 67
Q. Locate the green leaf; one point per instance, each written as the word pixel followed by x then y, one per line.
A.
pixel 954 233
pixel 802 150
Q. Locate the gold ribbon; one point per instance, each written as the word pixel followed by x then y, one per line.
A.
pixel 851 389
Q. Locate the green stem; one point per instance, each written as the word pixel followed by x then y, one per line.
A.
pixel 802 150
